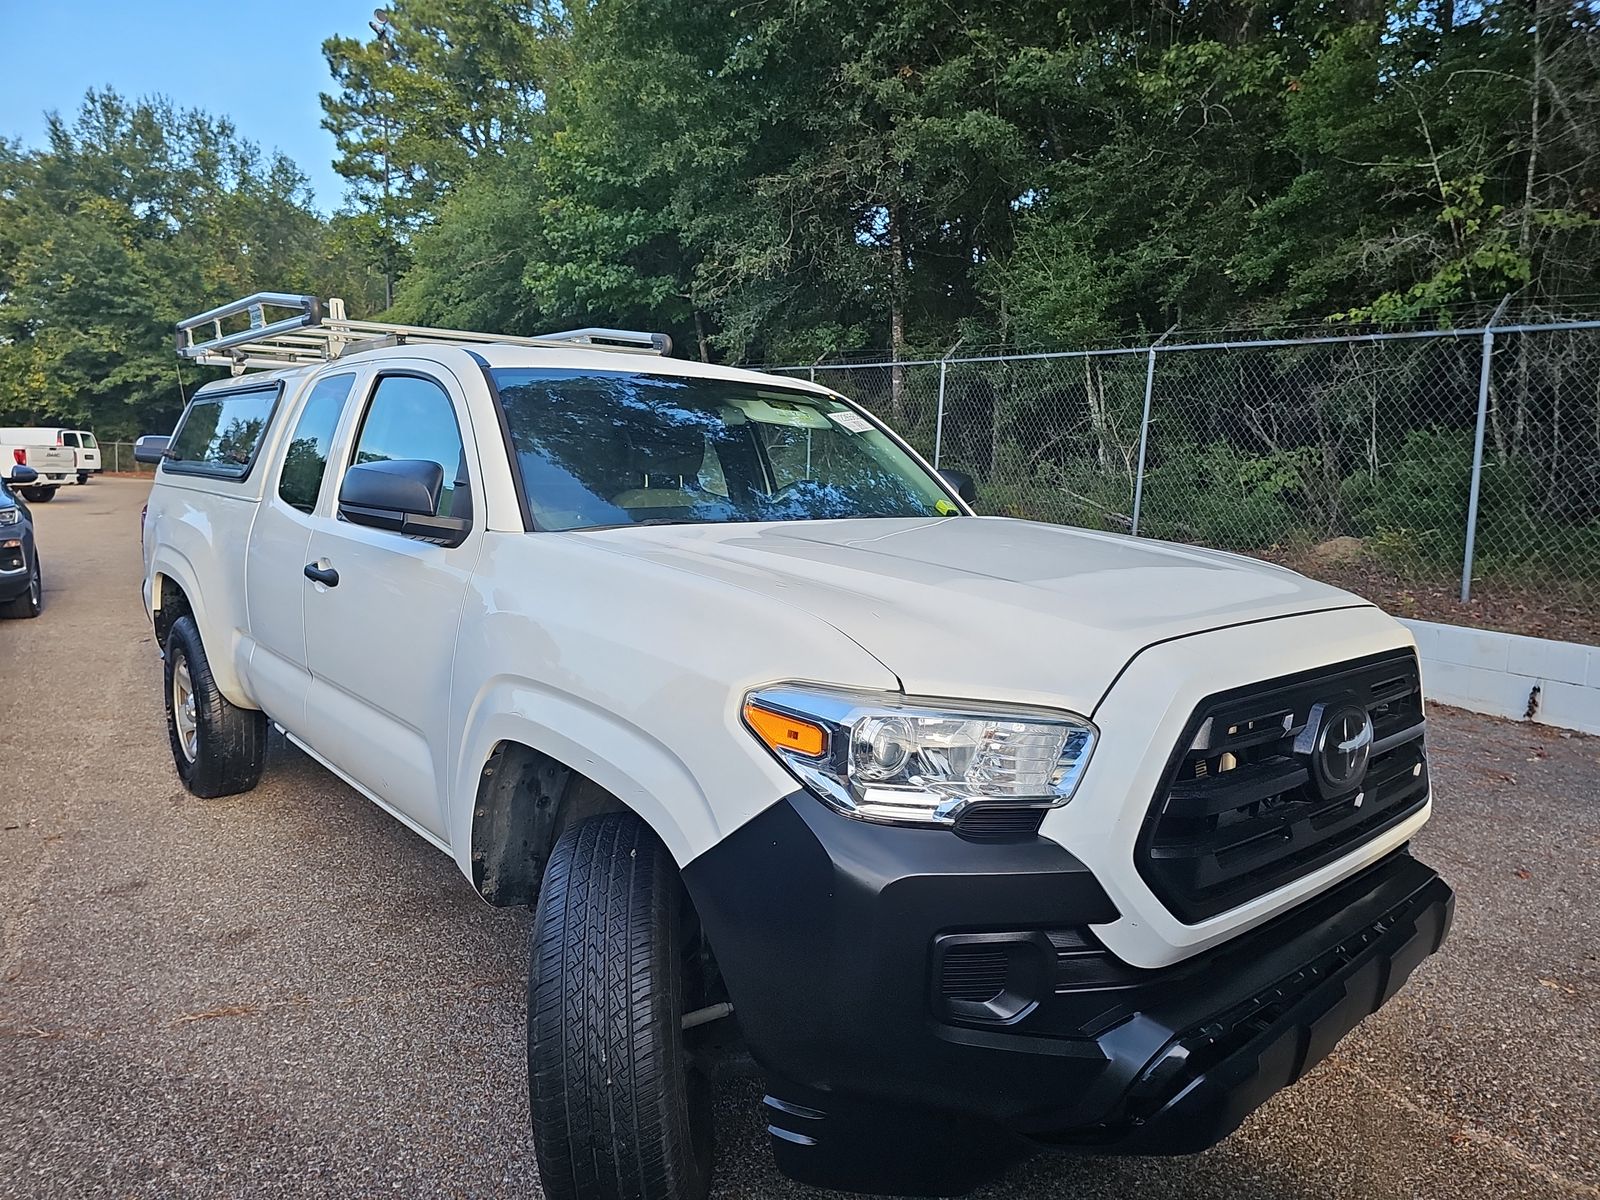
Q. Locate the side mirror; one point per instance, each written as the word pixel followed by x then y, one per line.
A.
pixel 151 448
pixel 22 476
pixel 961 483
pixel 401 495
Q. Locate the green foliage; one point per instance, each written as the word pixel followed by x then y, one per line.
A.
pixel 134 215
pixel 807 179
pixel 1217 496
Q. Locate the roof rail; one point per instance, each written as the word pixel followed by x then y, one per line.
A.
pixel 300 330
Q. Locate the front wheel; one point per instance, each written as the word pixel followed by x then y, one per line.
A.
pixel 217 746
pixel 619 1110
pixel 31 602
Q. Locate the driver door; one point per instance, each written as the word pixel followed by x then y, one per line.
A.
pixel 380 639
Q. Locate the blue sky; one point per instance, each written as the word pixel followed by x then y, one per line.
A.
pixel 261 65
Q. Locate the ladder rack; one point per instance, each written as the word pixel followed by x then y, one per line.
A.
pixel 300 331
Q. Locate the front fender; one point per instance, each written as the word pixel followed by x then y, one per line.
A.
pixel 629 762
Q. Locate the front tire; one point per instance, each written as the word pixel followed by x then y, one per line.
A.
pixel 618 1111
pixel 31 603
pixel 217 747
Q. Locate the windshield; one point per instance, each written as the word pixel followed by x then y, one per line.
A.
pixel 617 448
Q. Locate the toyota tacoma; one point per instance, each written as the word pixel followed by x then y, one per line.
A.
pixel 978 837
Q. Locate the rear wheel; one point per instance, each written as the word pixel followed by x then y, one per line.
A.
pixel 40 495
pixel 620 1111
pixel 217 747
pixel 31 602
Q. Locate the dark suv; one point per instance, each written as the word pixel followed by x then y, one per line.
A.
pixel 21 586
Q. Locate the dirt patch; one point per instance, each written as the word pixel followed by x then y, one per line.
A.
pixel 1494 605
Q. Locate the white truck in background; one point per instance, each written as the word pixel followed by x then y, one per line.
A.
pixel 56 463
pixel 87 451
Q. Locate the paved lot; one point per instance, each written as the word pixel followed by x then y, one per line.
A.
pixel 287 994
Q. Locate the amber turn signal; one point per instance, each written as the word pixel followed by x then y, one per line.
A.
pixel 783 732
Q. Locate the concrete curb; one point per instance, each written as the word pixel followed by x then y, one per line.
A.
pixel 1508 675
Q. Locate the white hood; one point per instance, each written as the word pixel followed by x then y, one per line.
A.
pixel 985 607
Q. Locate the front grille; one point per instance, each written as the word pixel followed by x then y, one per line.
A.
pixel 1242 810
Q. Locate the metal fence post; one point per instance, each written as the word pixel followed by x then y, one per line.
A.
pixel 1144 428
pixel 1486 364
pixel 938 420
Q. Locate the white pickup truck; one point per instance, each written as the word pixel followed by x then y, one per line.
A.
pixel 55 463
pixel 980 836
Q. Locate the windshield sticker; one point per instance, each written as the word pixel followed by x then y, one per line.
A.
pixel 945 509
pixel 854 422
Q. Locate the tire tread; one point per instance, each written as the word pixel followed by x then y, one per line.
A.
pixel 607 1073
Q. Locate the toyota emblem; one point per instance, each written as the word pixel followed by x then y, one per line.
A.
pixel 1338 741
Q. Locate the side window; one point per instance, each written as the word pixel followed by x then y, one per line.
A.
pixel 70 439
pixel 412 418
pixel 220 433
pixel 307 456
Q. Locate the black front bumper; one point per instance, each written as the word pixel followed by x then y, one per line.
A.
pixel 16 562
pixel 836 938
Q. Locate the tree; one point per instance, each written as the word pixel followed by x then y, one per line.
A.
pixel 133 215
pixel 443 85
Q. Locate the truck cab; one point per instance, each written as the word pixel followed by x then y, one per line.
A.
pixel 982 837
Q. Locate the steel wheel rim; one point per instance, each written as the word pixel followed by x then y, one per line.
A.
pixel 183 710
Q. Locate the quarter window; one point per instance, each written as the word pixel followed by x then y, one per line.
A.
pixel 412 418
pixel 221 432
pixel 307 457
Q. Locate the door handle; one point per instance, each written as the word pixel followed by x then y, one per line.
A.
pixel 326 576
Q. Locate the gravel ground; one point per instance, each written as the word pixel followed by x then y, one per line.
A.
pixel 287 994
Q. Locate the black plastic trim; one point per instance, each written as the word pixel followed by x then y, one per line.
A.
pixel 832 937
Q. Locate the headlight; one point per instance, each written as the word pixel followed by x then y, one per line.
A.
pixel 884 757
pixel 10 516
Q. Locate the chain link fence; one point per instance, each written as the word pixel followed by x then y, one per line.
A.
pixel 1451 475
pixel 117 459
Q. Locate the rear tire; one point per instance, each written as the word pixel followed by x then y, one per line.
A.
pixel 31 603
pixel 618 1112
pixel 39 495
pixel 217 747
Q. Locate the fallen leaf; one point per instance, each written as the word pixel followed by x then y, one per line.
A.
pixel 1521 874
pixel 227 1010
